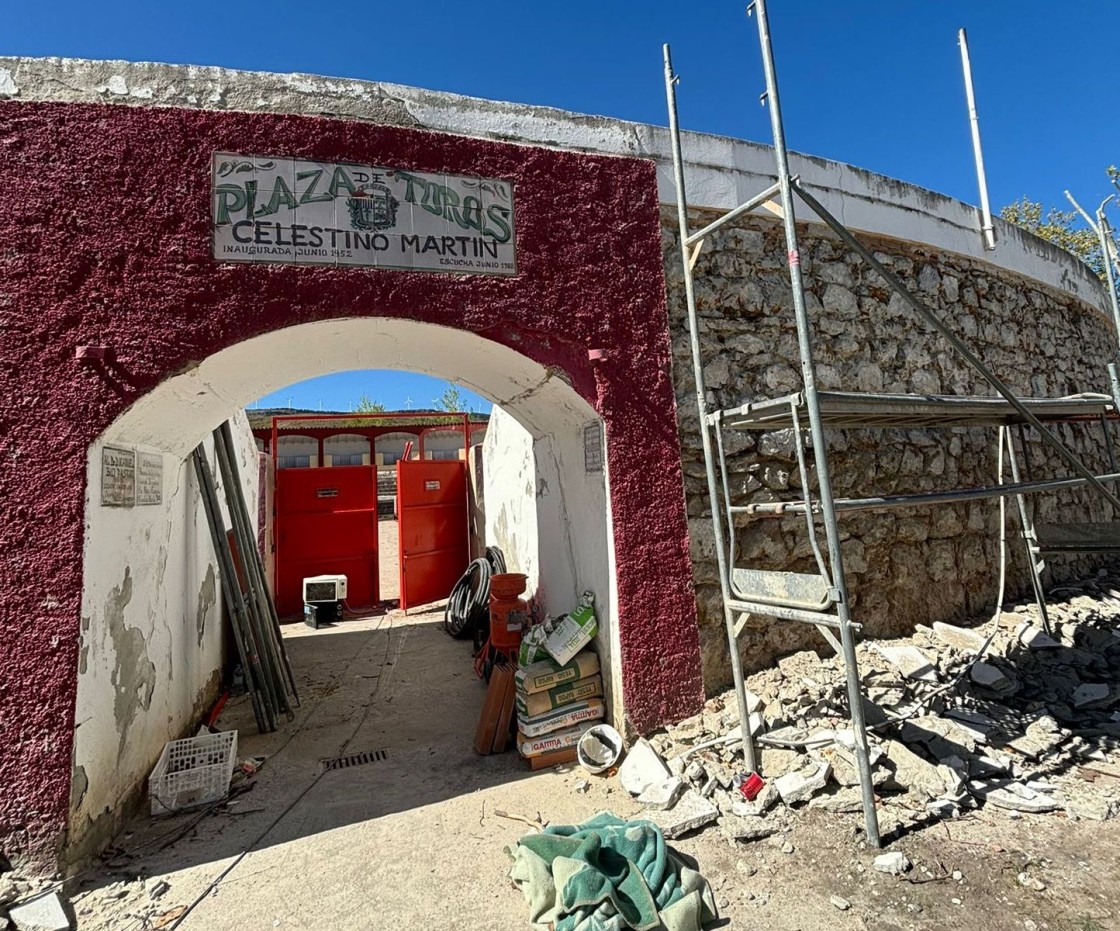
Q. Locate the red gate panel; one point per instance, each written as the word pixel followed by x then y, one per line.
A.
pixel 326 524
pixel 432 515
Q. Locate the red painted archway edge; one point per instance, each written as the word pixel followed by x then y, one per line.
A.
pixel 105 239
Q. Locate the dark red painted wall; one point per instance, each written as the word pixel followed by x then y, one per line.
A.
pixel 104 239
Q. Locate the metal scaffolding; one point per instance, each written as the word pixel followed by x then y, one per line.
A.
pixel 821 598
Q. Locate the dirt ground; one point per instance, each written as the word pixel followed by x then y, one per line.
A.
pixel 410 835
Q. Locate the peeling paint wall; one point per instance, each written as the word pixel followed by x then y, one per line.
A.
pixel 151 636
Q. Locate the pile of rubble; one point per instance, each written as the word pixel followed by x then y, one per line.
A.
pixel 1002 715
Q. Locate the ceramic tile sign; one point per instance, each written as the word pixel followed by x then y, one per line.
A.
pixel 298 212
pixel 118 477
pixel 149 478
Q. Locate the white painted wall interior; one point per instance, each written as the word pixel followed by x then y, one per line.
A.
pixel 152 636
pixel 544 509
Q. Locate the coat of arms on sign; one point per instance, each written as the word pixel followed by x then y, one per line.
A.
pixel 372 207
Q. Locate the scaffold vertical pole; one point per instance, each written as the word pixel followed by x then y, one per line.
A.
pixel 816 429
pixel 714 493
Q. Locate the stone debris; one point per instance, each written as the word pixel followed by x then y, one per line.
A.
pixel 840 902
pixel 962 639
pixel 691 812
pixel 802 785
pixel 895 863
pixel 910 661
pixel 662 795
pixel 46 913
pixel 1090 694
pixel 1018 729
pixel 642 767
pixel 990 677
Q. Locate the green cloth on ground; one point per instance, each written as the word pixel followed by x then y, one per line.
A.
pixel 608 874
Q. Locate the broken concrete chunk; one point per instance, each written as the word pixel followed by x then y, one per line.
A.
pixel 845 801
pixel 908 660
pixel 1090 693
pixel 959 638
pixel 894 863
pixel 802 785
pixel 840 902
pixel 766 799
pixel 46 913
pixel 662 795
pixel 691 812
pixel 1012 796
pixel 910 772
pixel 642 767
pixel 1034 638
pixel 990 677
pixel 747 829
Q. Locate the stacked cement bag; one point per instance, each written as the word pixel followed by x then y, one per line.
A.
pixel 557 703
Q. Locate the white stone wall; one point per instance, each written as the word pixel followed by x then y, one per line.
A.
pixel 904 567
pixel 152 634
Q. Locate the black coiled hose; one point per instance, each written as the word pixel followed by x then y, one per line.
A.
pixel 468 607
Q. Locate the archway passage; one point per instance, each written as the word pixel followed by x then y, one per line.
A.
pixel 110 290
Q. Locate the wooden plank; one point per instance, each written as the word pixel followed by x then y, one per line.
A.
pixel 505 715
pixel 500 680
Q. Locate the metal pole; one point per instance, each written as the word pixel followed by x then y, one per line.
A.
pixel 750 758
pixel 962 349
pixel 974 119
pixel 274 689
pixel 1104 234
pixel 816 431
pixel 1026 527
pixel 253 568
pixel 249 660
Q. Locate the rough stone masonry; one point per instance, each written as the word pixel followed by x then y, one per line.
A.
pixel 904 567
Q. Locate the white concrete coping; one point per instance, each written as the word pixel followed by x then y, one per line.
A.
pixel 721 172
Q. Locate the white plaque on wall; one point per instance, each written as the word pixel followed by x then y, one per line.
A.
pixel 149 478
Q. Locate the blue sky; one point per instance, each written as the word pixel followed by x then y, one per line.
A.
pixel 875 83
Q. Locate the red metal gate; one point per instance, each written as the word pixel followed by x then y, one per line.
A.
pixel 326 524
pixel 432 515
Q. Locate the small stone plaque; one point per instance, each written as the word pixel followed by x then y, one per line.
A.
pixel 118 477
pixel 149 478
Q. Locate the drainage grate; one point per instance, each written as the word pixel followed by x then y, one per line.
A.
pixel 356 759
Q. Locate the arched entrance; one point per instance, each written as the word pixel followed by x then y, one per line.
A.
pixel 122 313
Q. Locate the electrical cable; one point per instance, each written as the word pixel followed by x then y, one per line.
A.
pixel 468 607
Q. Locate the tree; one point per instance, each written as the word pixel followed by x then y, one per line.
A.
pixel 1058 228
pixel 366 405
pixel 451 400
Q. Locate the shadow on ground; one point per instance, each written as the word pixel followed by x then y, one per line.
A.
pixel 397 692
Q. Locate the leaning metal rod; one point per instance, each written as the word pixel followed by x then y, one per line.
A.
pixel 750 757
pixel 816 430
pixel 257 616
pixel 259 660
pixel 1026 527
pixel 962 349
pixel 1104 235
pixel 202 472
pixel 255 564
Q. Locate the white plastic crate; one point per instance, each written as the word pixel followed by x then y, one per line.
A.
pixel 192 772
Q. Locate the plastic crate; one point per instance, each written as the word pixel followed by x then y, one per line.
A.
pixel 192 772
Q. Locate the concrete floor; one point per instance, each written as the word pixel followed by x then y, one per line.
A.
pixel 410 836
